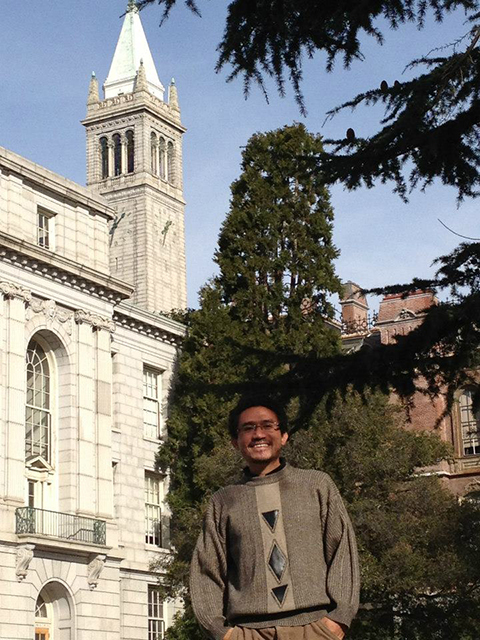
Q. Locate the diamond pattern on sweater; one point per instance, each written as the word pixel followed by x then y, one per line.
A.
pixel 277 561
pixel 279 593
pixel 271 518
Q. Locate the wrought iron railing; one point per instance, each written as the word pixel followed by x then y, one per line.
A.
pixel 60 525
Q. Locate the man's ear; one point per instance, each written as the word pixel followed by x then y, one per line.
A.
pixel 234 442
pixel 284 438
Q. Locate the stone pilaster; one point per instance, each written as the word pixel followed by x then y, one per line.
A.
pixel 14 299
pixel 104 477
pixel 86 418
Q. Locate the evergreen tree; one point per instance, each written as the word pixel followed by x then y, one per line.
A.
pixel 275 250
pixel 241 336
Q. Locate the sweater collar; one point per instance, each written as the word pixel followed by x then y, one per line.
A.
pixel 274 476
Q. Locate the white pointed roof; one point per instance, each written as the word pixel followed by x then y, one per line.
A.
pixel 132 46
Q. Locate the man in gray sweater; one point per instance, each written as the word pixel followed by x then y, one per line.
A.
pixel 276 559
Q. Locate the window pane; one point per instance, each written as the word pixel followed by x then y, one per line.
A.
pixel 156 625
pixel 43 222
pixel 469 425
pixel 117 155
pixel 37 413
pixel 104 157
pixel 151 403
pixel 153 511
pixel 130 152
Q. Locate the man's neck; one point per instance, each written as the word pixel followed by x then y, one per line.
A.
pixel 263 470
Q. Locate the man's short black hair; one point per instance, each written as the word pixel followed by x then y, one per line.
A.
pixel 256 400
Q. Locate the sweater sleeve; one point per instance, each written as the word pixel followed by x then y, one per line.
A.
pixel 343 576
pixel 208 576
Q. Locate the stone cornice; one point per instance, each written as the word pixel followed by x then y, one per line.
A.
pixel 46 264
pixel 143 182
pixel 149 324
pixel 128 104
pixel 35 174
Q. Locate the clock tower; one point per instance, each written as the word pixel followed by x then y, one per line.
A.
pixel 134 160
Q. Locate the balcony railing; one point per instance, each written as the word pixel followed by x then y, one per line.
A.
pixel 60 525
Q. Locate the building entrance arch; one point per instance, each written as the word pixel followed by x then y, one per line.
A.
pixel 54 614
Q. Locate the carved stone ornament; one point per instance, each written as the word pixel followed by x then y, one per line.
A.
pixel 52 313
pixel 95 568
pixel 10 290
pixel 96 322
pixel 24 557
pixel 405 314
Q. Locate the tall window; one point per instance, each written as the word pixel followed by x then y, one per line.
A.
pixel 44 229
pixel 156 623
pixel 130 151
pixel 171 163
pixel 470 425
pixel 117 154
pixel 104 157
pixel 38 410
pixel 152 382
pixel 156 524
pixel 161 154
pixel 153 152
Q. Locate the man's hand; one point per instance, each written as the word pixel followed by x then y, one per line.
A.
pixel 334 627
pixel 228 634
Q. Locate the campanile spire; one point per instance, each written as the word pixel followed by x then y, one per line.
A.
pixel 132 47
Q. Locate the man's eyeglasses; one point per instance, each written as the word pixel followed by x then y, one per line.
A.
pixel 267 426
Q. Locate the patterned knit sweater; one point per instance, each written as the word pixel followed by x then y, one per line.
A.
pixel 277 550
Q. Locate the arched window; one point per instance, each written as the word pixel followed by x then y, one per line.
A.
pixel 104 157
pixel 130 151
pixel 171 163
pixel 153 152
pixel 162 165
pixel 117 154
pixel 469 425
pixel 38 419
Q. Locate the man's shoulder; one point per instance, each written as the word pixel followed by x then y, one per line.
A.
pixel 311 476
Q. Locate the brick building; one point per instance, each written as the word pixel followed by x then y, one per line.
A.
pixel 398 315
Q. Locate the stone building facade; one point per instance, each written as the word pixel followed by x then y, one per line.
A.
pixel 398 315
pixel 86 361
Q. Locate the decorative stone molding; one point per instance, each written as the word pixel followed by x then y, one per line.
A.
pixel 58 269
pixel 52 312
pixel 11 290
pixel 95 568
pixel 24 557
pixel 97 322
pixel 406 314
pixel 147 329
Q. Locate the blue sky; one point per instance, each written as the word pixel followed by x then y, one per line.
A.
pixel 47 53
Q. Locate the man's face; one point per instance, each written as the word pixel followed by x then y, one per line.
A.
pixel 260 449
